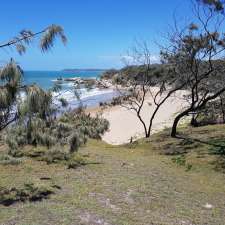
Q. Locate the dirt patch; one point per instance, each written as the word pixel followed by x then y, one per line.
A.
pixel 92 219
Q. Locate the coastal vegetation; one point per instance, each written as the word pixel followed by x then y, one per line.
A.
pixel 55 169
pixel 33 116
pixel 11 73
pixel 193 63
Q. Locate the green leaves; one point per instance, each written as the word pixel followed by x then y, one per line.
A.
pixel 50 35
pixel 36 101
pixel 216 5
pixel 25 37
pixel 10 80
pixel 11 74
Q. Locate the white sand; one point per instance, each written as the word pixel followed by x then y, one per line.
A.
pixel 124 123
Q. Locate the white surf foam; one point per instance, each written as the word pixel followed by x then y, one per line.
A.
pixel 70 96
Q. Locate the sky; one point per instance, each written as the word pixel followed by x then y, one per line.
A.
pixel 99 32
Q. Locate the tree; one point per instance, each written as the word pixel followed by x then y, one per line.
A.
pixel 196 53
pixel 145 81
pixel 34 114
pixel 11 74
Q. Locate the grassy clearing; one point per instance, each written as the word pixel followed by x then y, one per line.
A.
pixel 140 184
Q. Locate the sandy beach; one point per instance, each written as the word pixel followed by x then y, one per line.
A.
pixel 124 123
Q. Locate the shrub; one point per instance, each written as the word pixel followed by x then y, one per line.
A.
pixel 76 161
pixel 71 130
pixel 181 161
pixel 55 155
pixel 37 152
pixel 63 102
pixel 109 74
pixel 8 160
pixel 213 113
pixel 74 142
pixel 218 147
pixel 29 192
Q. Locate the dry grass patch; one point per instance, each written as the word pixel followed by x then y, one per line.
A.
pixel 127 185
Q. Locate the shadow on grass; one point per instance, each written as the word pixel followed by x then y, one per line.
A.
pixel 76 164
pixel 210 143
pixel 216 147
pixel 29 192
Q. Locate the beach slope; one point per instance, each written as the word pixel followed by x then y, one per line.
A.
pixel 124 123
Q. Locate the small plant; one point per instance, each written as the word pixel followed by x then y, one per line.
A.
pixel 74 142
pixel 37 152
pixel 101 104
pixel 188 167
pixel 9 160
pixel 179 160
pixel 29 192
pixel 55 155
pixel 218 147
pixel 76 161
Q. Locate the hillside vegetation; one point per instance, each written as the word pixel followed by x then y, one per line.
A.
pixel 165 181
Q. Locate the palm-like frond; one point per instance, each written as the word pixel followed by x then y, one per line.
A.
pixel 37 99
pixel 20 47
pixel 50 35
pixel 11 73
pixel 25 37
pixel 4 97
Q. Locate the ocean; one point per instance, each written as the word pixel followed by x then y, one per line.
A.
pixel 89 98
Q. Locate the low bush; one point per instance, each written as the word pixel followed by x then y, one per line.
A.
pixel 9 160
pixel 32 152
pixel 181 161
pixel 76 161
pixel 55 155
pixel 29 192
pixel 71 130
pixel 218 147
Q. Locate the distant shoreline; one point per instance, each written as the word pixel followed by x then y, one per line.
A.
pixel 87 70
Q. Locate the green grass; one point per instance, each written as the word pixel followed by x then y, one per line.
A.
pixel 28 193
pixel 140 184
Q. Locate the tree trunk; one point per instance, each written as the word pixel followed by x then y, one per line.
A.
pixel 222 109
pixel 151 122
pixel 176 122
pixel 147 135
pixel 29 130
pixel 174 127
pixel 194 121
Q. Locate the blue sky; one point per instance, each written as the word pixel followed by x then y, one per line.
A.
pixel 99 32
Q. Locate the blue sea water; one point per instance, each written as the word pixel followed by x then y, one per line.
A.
pixel 89 98
pixel 45 78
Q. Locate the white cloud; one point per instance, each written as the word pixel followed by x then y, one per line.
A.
pixel 122 60
pixel 132 60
